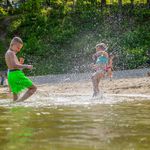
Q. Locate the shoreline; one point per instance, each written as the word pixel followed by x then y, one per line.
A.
pixel 75 77
pixel 123 82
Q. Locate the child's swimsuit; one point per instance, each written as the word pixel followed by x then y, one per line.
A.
pixel 102 60
pixel 107 68
pixel 101 63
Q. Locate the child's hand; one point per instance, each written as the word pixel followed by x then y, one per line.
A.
pixel 29 66
pixel 94 57
pixel 21 60
pixel 93 66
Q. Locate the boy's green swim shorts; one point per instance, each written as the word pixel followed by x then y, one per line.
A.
pixel 18 81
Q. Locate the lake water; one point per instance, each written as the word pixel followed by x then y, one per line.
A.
pixel 89 126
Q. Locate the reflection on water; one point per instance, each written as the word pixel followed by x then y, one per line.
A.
pixel 124 126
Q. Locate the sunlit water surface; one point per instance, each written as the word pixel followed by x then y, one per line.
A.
pixel 87 126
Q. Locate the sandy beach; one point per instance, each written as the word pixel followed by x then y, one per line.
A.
pixel 117 86
pixel 123 82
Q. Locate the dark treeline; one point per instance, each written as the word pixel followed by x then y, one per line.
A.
pixel 60 35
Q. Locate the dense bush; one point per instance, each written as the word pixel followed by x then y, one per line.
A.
pixel 60 39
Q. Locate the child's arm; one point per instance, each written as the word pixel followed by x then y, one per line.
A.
pixel 111 63
pixel 17 64
pixel 105 54
pixel 96 55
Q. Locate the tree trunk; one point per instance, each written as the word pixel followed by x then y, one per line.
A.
pixel 74 4
pixel 48 2
pixel 120 4
pixel 22 1
pixel 148 3
pixel 8 3
pixel 132 4
pixel 103 3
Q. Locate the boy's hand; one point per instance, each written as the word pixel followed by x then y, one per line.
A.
pixel 21 60
pixel 29 67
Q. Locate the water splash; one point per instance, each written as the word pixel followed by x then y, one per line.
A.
pixel 51 100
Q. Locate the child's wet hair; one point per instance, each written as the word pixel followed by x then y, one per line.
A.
pixel 102 45
pixel 16 40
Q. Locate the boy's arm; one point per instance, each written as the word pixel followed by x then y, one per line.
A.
pixel 16 65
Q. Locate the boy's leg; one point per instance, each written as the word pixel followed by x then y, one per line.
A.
pixel 15 97
pixel 31 90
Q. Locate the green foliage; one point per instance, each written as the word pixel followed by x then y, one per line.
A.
pixel 3 12
pixel 138 37
pixel 135 58
pixel 15 25
pixel 2 53
pixel 62 36
pixel 142 15
pixel 33 46
pixel 31 6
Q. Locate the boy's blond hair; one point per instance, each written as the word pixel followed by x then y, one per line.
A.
pixel 102 45
pixel 16 40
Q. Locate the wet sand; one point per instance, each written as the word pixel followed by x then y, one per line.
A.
pixel 123 82
pixel 129 84
pixel 116 86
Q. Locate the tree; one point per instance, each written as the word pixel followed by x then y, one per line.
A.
pixel 120 4
pixel 8 3
pixel 47 2
pixel 103 3
pixel 22 1
pixel 148 3
pixel 132 4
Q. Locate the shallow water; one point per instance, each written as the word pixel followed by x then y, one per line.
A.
pixel 93 126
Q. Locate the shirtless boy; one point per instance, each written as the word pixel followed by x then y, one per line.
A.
pixel 16 78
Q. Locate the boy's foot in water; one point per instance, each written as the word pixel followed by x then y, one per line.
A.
pixel 95 94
